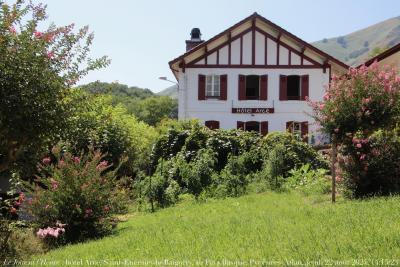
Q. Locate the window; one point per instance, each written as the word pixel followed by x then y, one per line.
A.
pixel 252 87
pixel 293 87
pixel 212 85
pixel 252 126
pixel 212 124
pixel 298 129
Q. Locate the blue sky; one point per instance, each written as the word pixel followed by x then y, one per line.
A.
pixel 141 36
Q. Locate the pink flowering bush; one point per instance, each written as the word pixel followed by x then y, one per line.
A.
pixel 362 100
pixel 354 108
pixel 75 197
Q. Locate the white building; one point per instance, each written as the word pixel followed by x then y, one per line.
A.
pixel 255 76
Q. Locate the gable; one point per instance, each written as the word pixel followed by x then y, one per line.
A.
pixel 256 42
pixel 256 48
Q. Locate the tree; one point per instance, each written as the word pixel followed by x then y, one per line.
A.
pixel 357 104
pixel 152 110
pixel 37 68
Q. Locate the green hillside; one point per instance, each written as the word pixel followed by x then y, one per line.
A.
pixel 355 48
pixel 171 91
pixel 270 226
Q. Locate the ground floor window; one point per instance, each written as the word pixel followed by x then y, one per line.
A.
pixel 299 129
pixel 212 124
pixel 260 127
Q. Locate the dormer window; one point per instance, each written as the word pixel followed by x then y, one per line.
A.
pixel 213 86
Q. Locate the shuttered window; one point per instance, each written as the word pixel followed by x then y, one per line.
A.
pixel 213 86
pixel 212 124
pixel 299 129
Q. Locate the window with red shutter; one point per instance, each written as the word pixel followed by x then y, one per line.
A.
pixel 289 126
pixel 212 124
pixel 304 87
pixel 202 87
pixel 264 87
pixel 242 87
pixel 223 87
pixel 264 128
pixel 283 87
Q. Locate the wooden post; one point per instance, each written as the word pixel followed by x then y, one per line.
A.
pixel 333 168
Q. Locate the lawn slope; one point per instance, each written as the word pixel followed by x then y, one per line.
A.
pixel 272 227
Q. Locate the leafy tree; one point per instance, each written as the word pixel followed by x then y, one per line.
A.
pixel 376 51
pixel 37 68
pixel 152 110
pixel 116 89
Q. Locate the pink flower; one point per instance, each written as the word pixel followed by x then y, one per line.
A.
pixel 50 55
pixel 88 212
pixel 46 161
pixel 359 145
pixel 362 157
pixel 54 184
pixel 38 34
pixel 102 165
pixel 76 160
pixel 336 130
pixel 12 30
pixel 21 197
pixel 13 210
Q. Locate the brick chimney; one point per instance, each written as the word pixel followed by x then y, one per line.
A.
pixel 195 39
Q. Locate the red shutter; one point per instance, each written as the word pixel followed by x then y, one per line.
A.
pixel 289 126
pixel 240 125
pixel 283 87
pixel 304 131
pixel 242 87
pixel 304 87
pixel 264 128
pixel 223 87
pixel 202 87
pixel 264 87
pixel 212 125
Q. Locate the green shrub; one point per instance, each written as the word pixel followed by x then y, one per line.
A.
pixel 75 197
pixel 196 175
pixel 308 181
pixel 274 167
pixel 295 153
pixel 232 180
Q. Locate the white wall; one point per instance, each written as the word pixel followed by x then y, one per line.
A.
pixel 191 107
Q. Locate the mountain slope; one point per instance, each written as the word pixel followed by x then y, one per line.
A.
pixel 355 48
pixel 171 91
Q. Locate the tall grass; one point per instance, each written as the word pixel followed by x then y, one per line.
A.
pixel 280 229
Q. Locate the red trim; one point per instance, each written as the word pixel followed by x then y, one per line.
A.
pixel 382 55
pixel 266 50
pixel 237 66
pixel 278 41
pixel 218 57
pixel 229 48
pixel 241 50
pixel 253 45
pixel 290 58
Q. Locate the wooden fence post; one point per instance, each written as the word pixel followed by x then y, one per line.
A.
pixel 333 167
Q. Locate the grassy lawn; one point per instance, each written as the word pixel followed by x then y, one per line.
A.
pixel 282 229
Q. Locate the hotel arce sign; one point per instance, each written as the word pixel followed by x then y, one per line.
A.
pixel 253 110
